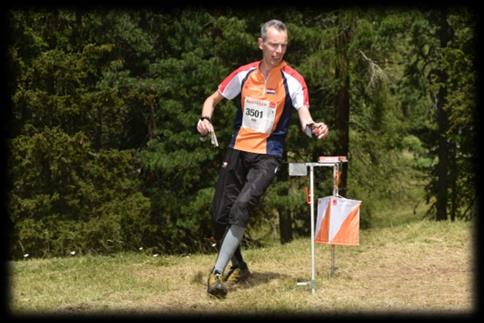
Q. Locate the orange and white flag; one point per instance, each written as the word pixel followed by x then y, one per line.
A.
pixel 338 221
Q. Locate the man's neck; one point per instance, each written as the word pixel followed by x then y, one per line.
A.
pixel 265 70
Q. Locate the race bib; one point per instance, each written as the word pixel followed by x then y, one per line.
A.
pixel 258 115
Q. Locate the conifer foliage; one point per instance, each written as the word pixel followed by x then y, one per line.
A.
pixel 103 153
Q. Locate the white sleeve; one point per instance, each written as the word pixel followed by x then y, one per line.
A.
pixel 297 92
pixel 232 84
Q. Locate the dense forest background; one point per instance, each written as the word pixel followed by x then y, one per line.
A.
pixel 102 152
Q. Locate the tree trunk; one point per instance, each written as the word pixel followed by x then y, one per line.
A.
pixel 342 127
pixel 443 125
pixel 285 219
pixel 342 100
pixel 443 153
pixel 285 226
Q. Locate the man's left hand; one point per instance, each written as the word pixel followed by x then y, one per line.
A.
pixel 320 130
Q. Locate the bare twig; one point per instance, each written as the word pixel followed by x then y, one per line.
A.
pixel 376 72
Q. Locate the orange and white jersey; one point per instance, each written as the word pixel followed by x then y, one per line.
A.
pixel 263 116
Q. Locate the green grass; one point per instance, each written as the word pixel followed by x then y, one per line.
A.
pixel 402 265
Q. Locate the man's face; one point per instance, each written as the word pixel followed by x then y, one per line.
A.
pixel 273 47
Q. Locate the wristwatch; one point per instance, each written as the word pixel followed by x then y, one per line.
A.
pixel 205 118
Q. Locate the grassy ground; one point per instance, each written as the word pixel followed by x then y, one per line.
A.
pixel 401 266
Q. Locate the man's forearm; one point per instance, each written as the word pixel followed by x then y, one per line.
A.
pixel 210 103
pixel 309 126
pixel 208 107
pixel 304 117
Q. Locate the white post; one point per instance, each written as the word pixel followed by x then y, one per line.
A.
pixel 336 175
pixel 313 260
pixel 298 169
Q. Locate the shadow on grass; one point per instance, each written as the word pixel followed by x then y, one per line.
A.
pixel 258 278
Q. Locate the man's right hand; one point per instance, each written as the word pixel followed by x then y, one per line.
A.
pixel 204 127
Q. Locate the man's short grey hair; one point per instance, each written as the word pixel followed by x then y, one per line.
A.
pixel 279 25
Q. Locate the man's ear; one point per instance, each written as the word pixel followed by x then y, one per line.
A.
pixel 259 42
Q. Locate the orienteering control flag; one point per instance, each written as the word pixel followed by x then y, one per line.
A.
pixel 338 221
